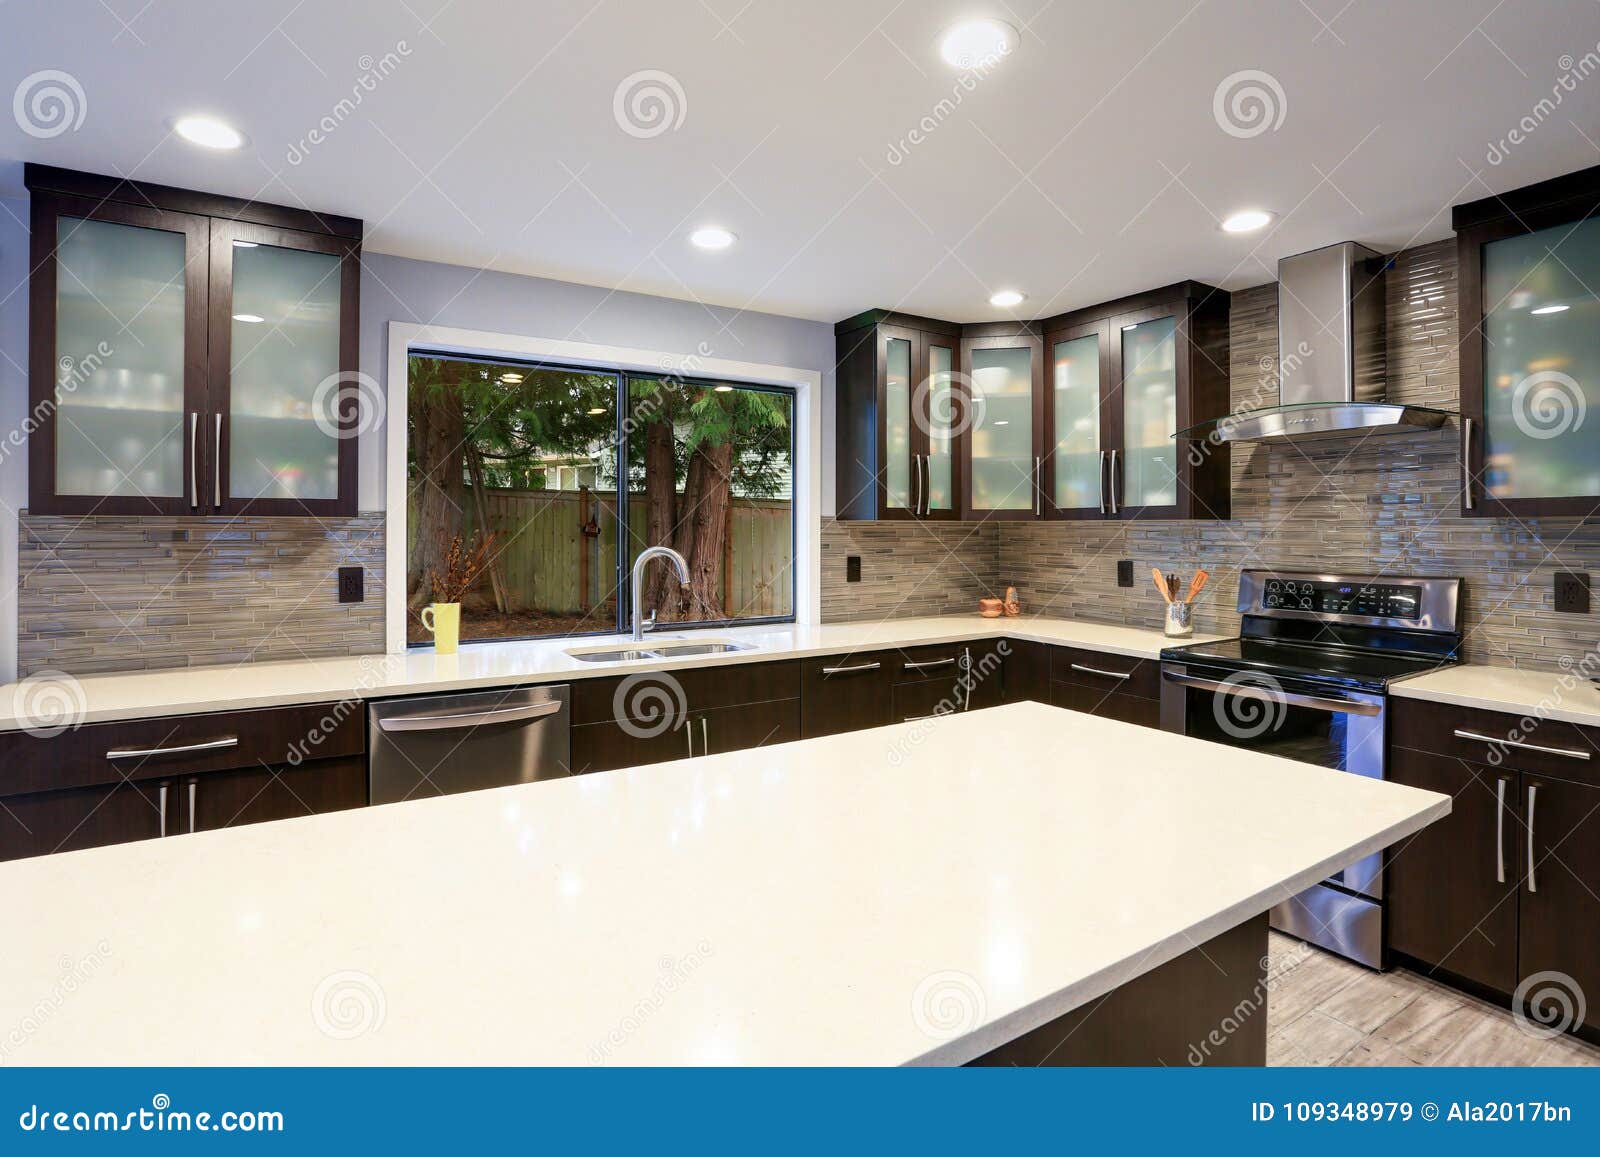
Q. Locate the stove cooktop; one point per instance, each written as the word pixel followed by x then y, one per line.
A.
pixel 1320 663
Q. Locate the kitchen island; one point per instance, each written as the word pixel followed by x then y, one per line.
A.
pixel 984 886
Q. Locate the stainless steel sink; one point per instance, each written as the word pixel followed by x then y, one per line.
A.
pixel 662 649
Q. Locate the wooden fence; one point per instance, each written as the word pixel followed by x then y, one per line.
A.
pixel 550 565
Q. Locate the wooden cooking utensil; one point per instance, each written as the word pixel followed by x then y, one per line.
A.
pixel 1161 583
pixel 1197 585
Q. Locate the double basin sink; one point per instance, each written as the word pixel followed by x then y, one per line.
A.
pixel 656 649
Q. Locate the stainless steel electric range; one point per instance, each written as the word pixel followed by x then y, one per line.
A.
pixel 1308 680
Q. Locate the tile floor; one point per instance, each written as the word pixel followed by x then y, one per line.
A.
pixel 1323 1010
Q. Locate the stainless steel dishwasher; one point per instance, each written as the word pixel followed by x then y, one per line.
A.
pixel 443 744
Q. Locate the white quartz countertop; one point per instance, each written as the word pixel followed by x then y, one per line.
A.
pixel 1565 695
pixel 192 690
pixel 919 893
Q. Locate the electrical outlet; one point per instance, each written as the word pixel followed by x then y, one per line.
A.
pixel 1572 592
pixel 352 584
pixel 1125 572
pixel 852 568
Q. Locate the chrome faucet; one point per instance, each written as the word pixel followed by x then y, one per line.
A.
pixel 638 582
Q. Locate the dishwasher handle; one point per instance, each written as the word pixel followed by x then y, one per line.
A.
pixel 459 720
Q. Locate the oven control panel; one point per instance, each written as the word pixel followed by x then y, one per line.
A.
pixel 1375 600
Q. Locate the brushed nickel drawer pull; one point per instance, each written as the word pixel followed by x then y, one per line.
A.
pixel 1098 671
pixel 192 786
pixel 471 718
pixel 1500 832
pixel 927 664
pixel 1533 796
pixel 916 485
pixel 163 794
pixel 705 740
pixel 1038 487
pixel 181 749
pixel 1466 460
pixel 194 459
pixel 1568 752
pixel 851 670
pixel 688 733
pixel 216 467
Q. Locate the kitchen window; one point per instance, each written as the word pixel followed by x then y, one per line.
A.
pixel 515 464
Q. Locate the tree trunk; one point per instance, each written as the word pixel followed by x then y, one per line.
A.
pixel 480 505
pixel 702 524
pixel 661 500
pixel 440 494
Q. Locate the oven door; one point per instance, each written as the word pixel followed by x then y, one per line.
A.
pixel 1333 728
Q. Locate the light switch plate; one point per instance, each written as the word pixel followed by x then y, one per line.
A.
pixel 352 584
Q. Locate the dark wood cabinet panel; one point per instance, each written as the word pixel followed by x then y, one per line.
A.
pixel 1497 738
pixel 746 727
pixel 1027 672
pixel 1559 917
pixel 609 745
pixel 850 692
pixel 1103 671
pixel 1452 887
pixel 41 823
pixel 228 799
pixel 274 735
pixel 702 688
pixel 1106 704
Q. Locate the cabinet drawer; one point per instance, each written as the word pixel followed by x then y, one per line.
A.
pixel 1106 704
pixel 179 745
pixel 939 661
pixel 841 693
pixel 230 799
pixel 1497 738
pixel 703 689
pixel 1106 672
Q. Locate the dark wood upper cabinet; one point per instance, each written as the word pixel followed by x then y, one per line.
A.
pixel 898 426
pixel 1073 417
pixel 189 354
pixel 1530 348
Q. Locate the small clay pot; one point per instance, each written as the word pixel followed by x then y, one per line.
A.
pixel 991 608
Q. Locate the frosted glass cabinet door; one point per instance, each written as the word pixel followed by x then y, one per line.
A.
pixel 1149 389
pixel 1541 364
pixel 119 360
pixel 941 440
pixel 897 428
pixel 1001 434
pixel 284 412
pixel 1076 461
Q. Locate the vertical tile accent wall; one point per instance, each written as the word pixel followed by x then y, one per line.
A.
pixel 137 593
pixel 1385 503
pixel 908 568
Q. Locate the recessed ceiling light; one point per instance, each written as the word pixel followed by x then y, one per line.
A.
pixel 722 389
pixel 249 318
pixel 1006 298
pixel 1543 309
pixel 976 43
pixel 1246 221
pixel 711 237
pixel 511 379
pixel 208 132
pixel 594 410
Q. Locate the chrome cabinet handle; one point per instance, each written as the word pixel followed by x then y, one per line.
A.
pixel 1466 460
pixel 927 664
pixel 1500 831
pixel 966 665
pixel 688 733
pixel 471 718
pixel 1292 699
pixel 1533 796
pixel 705 742
pixel 1567 752
pixel 851 670
pixel 1038 487
pixel 216 468
pixel 181 749
pixel 927 484
pixel 916 484
pixel 193 783
pixel 194 460
pixel 1113 473
pixel 1102 481
pixel 1098 671
pixel 163 795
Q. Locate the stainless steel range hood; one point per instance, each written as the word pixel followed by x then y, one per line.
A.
pixel 1332 356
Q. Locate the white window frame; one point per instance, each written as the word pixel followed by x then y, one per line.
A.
pixel 807 386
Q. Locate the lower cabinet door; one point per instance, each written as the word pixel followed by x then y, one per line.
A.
pixel 230 799
pixel 924 699
pixel 43 822
pixel 1106 704
pixel 746 727
pixel 1027 674
pixel 1560 900
pixel 841 693
pixel 1451 889
pixel 626 743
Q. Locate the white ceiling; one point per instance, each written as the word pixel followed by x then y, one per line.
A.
pixel 1088 165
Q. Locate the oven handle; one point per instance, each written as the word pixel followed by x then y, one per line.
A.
pixel 1290 698
pixel 456 722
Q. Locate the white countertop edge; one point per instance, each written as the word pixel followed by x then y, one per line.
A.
pixel 161 693
pixel 1005 1029
pixel 1561 696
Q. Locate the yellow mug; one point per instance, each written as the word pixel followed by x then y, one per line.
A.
pixel 443 622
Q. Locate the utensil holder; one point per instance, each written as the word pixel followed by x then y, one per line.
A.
pixel 1179 623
